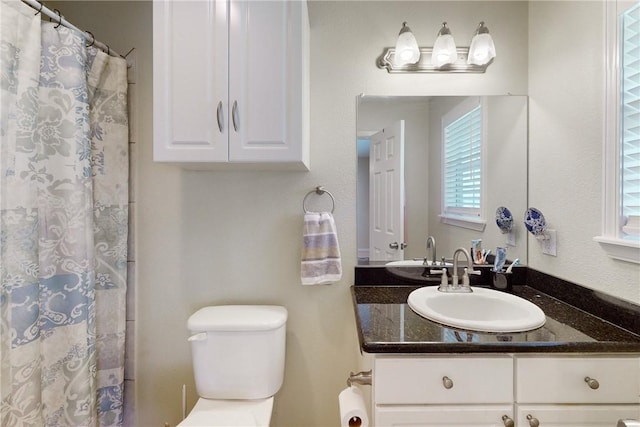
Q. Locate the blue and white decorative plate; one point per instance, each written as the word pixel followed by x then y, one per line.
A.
pixel 504 219
pixel 535 222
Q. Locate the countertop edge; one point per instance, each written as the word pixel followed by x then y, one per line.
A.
pixel 483 348
pixel 404 348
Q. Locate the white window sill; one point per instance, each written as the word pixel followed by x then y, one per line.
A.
pixel 464 222
pixel 623 250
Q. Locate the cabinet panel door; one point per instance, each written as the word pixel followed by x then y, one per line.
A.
pixel 575 415
pixel 562 379
pixel 190 45
pixel 438 416
pixel 422 380
pixel 266 63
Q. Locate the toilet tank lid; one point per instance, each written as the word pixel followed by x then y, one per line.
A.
pixel 237 318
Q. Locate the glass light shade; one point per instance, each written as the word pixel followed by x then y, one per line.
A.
pixel 444 51
pixel 407 50
pixel 482 49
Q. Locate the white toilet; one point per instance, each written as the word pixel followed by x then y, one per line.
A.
pixel 238 354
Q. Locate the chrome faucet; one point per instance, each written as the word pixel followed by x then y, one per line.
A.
pixel 464 285
pixel 431 244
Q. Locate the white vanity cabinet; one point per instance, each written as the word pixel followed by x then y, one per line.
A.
pixel 437 391
pixel 577 391
pixel 505 390
pixel 231 82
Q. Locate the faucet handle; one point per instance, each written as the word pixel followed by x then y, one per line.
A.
pixel 444 281
pixel 465 276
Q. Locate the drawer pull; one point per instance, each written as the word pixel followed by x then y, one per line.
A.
pixel 533 421
pixel 234 116
pixel 447 382
pixel 592 383
pixel 508 422
pixel 220 117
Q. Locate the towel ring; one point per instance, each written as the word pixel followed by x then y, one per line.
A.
pixel 319 190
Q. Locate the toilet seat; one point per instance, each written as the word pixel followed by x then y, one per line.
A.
pixel 229 413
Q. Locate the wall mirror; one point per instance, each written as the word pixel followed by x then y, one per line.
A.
pixel 399 182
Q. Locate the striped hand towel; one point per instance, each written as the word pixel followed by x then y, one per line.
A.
pixel 321 262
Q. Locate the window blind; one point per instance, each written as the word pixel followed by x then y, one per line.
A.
pixel 630 111
pixel 463 164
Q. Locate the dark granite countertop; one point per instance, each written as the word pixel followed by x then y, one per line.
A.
pixel 386 324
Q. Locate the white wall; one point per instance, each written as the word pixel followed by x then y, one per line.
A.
pixel 566 88
pixel 218 237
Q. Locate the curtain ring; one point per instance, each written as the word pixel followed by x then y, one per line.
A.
pixel 59 18
pixel 108 50
pixel 39 10
pixel 93 39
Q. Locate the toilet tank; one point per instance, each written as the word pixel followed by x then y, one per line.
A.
pixel 238 351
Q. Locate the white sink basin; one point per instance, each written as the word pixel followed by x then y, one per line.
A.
pixel 414 263
pixel 483 310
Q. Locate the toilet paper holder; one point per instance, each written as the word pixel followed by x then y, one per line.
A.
pixel 362 378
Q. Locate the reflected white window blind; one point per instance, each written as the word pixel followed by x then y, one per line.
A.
pixel 629 114
pixel 462 185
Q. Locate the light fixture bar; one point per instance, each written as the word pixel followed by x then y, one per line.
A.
pixel 386 60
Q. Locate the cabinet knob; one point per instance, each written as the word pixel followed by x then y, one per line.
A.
pixel 592 383
pixel 508 422
pixel 533 421
pixel 447 382
pixel 234 116
pixel 220 117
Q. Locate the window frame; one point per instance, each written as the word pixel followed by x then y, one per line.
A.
pixel 610 239
pixel 473 222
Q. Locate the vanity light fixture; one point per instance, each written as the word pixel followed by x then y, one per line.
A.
pixel 444 49
pixel 407 50
pixel 444 56
pixel 482 49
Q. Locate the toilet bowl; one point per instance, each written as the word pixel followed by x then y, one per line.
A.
pixel 229 413
pixel 238 354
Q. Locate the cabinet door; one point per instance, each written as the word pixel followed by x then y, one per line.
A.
pixel 443 380
pixel 578 380
pixel 438 416
pixel 574 415
pixel 190 79
pixel 267 82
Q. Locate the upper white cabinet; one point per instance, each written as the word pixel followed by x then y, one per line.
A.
pixel 231 82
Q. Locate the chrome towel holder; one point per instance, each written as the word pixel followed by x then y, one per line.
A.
pixel 362 378
pixel 319 190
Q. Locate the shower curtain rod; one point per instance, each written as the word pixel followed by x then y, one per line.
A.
pixel 56 16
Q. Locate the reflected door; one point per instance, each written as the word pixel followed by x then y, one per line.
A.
pixel 386 194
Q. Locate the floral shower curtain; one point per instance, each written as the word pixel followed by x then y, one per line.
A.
pixel 63 225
